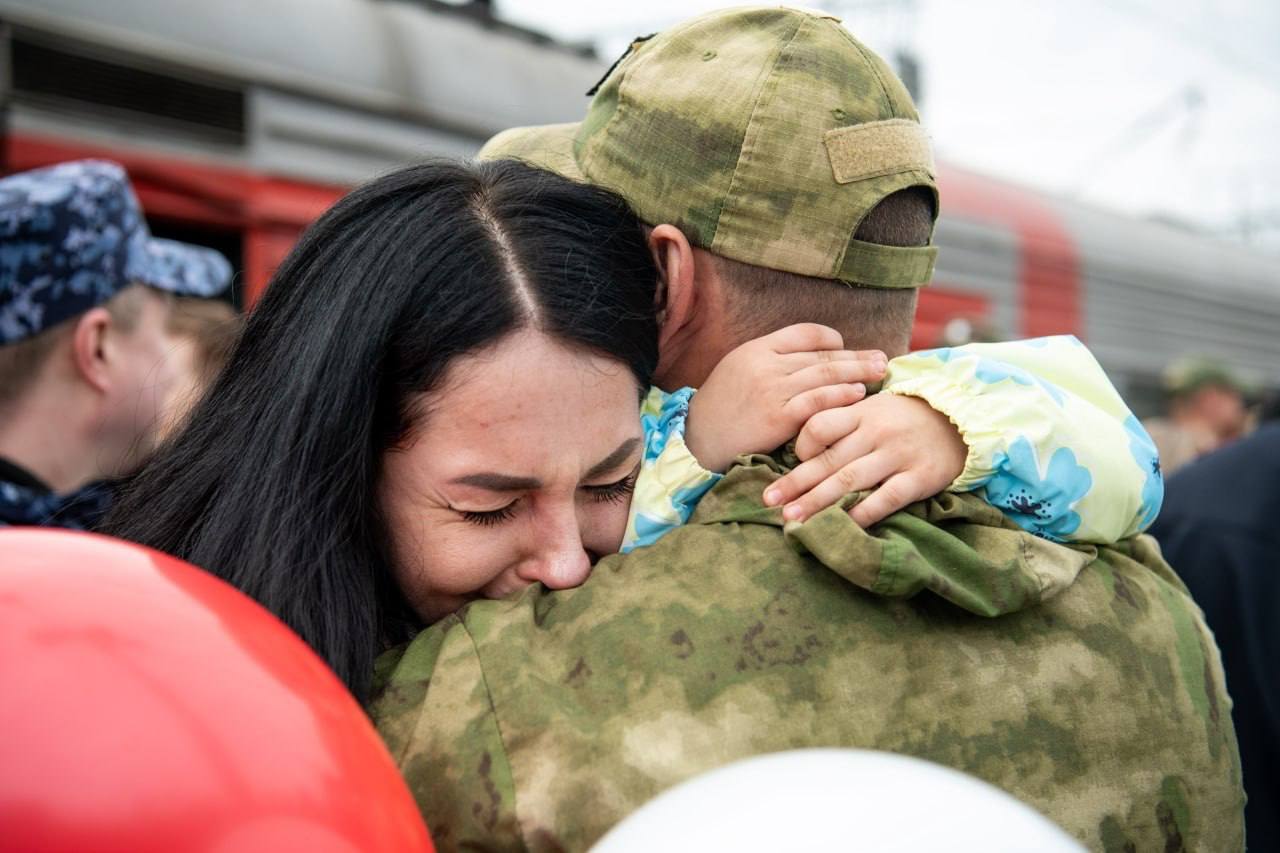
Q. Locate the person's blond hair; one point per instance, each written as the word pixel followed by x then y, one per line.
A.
pixel 210 324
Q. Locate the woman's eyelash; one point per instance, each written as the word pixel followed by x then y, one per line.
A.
pixel 490 517
pixel 608 493
pixel 615 492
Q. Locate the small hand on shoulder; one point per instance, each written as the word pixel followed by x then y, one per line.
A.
pixel 764 391
pixel 899 446
pixel 800 381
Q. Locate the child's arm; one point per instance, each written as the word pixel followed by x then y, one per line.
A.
pixel 758 397
pixel 1049 441
pixel 670 482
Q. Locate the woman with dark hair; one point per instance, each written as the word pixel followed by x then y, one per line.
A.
pixel 436 400
pixel 275 483
pixel 437 329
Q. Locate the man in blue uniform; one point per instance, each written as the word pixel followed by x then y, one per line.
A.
pixel 85 293
pixel 1218 531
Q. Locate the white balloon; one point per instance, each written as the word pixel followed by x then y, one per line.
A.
pixel 836 799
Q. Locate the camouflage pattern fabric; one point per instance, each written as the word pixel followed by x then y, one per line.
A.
pixel 1082 681
pixel 72 236
pixel 22 505
pixel 185 268
pixel 1186 375
pixel 765 134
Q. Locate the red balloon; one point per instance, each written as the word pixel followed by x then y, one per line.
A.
pixel 145 705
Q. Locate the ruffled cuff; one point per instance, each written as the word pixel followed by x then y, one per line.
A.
pixel 671 481
pixel 971 415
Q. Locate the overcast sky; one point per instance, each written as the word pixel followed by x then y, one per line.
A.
pixel 1154 108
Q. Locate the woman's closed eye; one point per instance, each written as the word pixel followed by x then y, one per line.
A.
pixel 618 491
pixel 615 492
pixel 488 518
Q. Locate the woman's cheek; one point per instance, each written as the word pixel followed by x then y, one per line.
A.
pixel 464 557
pixel 438 576
pixel 603 526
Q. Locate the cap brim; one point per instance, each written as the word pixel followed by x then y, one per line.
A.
pixel 548 146
pixel 182 268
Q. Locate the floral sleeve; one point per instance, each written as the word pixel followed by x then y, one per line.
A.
pixel 1051 443
pixel 671 481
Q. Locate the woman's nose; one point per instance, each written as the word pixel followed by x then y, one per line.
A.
pixel 559 560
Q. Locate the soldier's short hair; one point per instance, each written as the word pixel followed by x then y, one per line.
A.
pixel 761 300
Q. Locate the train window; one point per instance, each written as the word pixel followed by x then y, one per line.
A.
pixel 47 69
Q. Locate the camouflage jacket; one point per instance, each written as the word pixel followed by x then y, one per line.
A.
pixel 1082 681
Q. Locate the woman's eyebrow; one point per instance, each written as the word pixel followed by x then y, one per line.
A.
pixel 495 482
pixel 614 459
pixel 498 482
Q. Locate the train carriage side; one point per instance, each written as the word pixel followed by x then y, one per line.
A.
pixel 1154 291
pixel 275 129
pixel 1139 292
pixel 239 136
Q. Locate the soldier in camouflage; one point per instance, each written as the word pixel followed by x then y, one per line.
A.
pixel 1082 680
pixel 83 346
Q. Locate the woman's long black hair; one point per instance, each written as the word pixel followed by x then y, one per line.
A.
pixel 273 484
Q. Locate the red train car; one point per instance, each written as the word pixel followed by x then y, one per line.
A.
pixel 241 121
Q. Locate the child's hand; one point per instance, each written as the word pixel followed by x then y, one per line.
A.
pixel 901 444
pixel 761 393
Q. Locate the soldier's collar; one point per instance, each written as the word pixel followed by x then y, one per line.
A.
pixel 12 472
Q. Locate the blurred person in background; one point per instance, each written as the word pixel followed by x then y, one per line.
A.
pixel 1206 410
pixel 85 301
pixel 1218 530
pixel 203 333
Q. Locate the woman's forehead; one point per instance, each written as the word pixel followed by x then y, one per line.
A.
pixel 532 400
pixel 528 375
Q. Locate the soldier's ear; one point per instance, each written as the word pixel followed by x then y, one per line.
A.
pixel 674 297
pixel 89 348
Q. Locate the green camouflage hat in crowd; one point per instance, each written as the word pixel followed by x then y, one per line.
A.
pixel 1190 373
pixel 766 134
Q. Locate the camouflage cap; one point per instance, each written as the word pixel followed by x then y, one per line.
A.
pixel 185 269
pixel 72 236
pixel 766 134
pixel 1190 373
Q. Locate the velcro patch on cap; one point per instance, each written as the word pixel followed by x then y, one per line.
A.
pixel 878 148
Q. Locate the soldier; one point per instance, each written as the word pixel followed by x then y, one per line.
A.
pixel 85 295
pixel 785 176
pixel 1206 410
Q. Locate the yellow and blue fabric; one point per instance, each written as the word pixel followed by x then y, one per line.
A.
pixel 1051 443
pixel 670 482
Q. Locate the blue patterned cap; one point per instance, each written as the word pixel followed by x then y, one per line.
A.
pixel 72 236
pixel 185 269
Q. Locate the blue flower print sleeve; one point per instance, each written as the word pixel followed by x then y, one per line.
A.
pixel 670 482
pixel 1051 443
